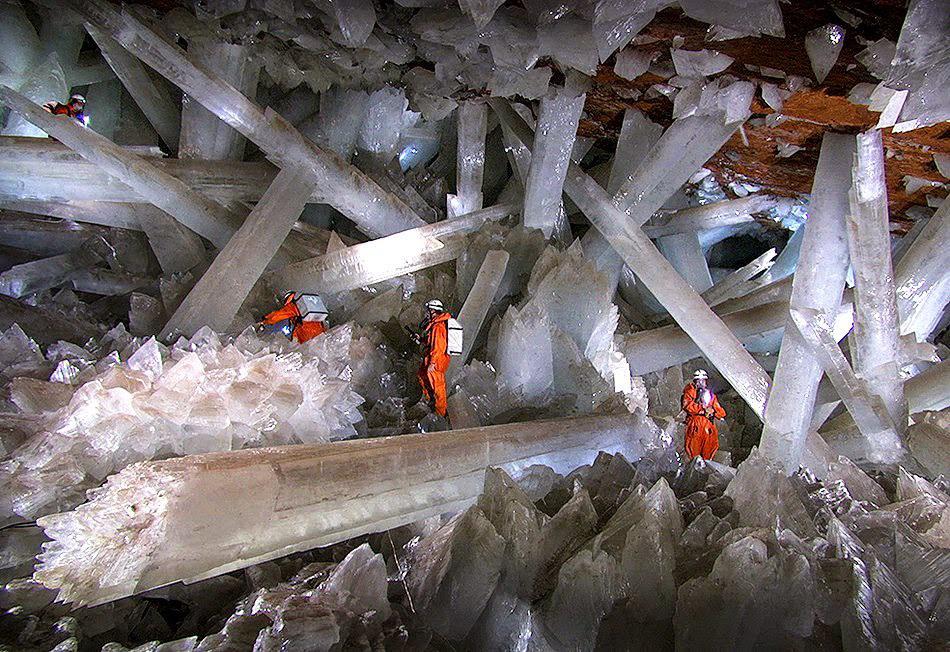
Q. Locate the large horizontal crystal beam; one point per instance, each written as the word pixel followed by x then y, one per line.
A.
pixel 218 295
pixel 714 338
pixel 476 306
pixel 197 212
pixel 374 211
pixel 45 273
pixel 377 260
pixel 923 284
pixel 818 284
pixel 195 517
pixel 45 326
pixel 728 212
pixel 875 340
pixel 153 100
pixel 45 170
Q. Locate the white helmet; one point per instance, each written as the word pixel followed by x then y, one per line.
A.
pixel 76 97
pixel 700 375
pixel 435 304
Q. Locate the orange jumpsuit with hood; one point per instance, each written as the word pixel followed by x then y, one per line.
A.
pixel 435 361
pixel 702 436
pixel 303 330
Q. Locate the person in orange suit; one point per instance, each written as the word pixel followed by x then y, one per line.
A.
pixel 75 109
pixel 435 356
pixel 287 318
pixel 701 407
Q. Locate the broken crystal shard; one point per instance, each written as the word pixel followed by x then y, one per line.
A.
pixel 631 63
pixel 152 98
pixel 823 44
pixel 472 126
pixel 818 283
pixel 691 312
pixel 183 499
pixel 702 63
pixel 351 192
pixel 876 336
pixel 554 138
pixel 370 262
pixel 195 211
pixel 455 571
pixel 203 135
pixel 477 304
pixel 219 293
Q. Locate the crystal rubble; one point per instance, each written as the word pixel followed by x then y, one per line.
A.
pixel 203 135
pixel 375 212
pixel 285 512
pixel 376 260
pixel 923 286
pixel 876 338
pixel 152 98
pixel 472 119
pixel 554 139
pixel 200 214
pixel 219 293
pixel 200 395
pixel 623 233
pixel 477 304
pixel 818 284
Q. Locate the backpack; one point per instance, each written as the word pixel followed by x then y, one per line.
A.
pixel 454 337
pixel 311 307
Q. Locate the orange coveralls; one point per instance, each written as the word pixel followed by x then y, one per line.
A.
pixel 702 437
pixel 435 361
pixel 303 330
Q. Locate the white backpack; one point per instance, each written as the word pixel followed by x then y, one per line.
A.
pixel 455 337
pixel 311 307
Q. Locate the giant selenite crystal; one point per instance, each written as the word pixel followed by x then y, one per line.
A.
pixel 219 293
pixel 472 118
pixel 818 284
pixel 690 311
pixel 876 337
pixel 305 496
pixel 550 154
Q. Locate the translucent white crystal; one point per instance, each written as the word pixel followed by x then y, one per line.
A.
pixel 472 126
pixel 616 22
pixel 877 57
pixel 701 63
pixel 631 63
pixel 747 16
pixel 570 41
pixel 823 44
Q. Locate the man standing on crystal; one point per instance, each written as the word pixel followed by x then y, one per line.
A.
pixel 701 407
pixel 74 109
pixel 300 324
pixel 435 355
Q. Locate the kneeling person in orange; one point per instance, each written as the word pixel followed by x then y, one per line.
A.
pixel 701 407
pixel 301 326
pixel 435 355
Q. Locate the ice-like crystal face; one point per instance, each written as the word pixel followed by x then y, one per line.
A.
pixel 823 44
